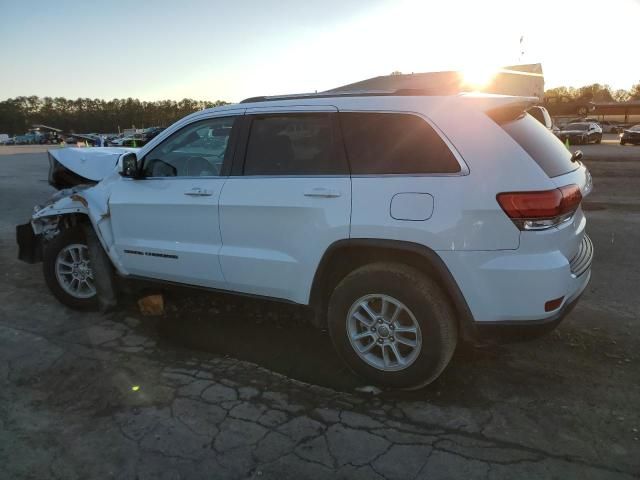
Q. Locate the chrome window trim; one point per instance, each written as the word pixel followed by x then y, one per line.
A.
pixel 180 178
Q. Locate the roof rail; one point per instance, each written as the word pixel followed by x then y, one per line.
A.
pixel 417 92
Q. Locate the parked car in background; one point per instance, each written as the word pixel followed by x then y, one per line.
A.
pixel 610 126
pixel 630 135
pixel 563 105
pixel 9 141
pixel 26 139
pixel 580 133
pixel 357 207
pixel 141 139
pixel 135 140
pixel 117 141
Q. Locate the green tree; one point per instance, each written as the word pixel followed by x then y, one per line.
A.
pixel 596 93
pixel 621 95
pixel 88 115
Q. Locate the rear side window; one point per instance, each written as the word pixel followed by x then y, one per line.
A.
pixel 541 145
pixel 379 143
pixel 294 144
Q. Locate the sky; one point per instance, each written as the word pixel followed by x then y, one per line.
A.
pixel 230 50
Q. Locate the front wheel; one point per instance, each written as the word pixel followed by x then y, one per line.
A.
pixel 392 325
pixel 67 270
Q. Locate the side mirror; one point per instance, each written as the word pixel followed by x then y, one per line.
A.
pixel 577 156
pixel 129 165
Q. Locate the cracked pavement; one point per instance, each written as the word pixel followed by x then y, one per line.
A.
pixel 222 388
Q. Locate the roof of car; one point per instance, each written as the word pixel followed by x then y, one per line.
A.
pixel 385 100
pixel 404 92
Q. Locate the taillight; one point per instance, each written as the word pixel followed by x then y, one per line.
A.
pixel 542 209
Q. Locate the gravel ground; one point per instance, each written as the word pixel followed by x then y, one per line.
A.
pixel 221 387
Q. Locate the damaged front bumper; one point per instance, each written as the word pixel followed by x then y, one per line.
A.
pixel 29 244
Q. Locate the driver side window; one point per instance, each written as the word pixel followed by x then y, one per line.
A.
pixel 197 150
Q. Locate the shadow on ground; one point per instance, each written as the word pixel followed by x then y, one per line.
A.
pixel 279 337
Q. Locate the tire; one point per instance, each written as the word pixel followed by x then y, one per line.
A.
pixel 599 139
pixel 426 305
pixel 622 142
pixel 67 239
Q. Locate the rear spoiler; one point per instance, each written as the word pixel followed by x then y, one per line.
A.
pixel 501 108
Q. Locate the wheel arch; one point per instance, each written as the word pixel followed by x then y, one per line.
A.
pixel 81 208
pixel 344 256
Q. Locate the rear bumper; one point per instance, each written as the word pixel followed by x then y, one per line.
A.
pixel 514 331
pixel 29 244
pixel 507 288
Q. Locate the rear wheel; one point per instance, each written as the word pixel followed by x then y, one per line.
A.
pixel 67 270
pixel 392 325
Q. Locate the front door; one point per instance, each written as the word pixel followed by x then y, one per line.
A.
pixel 166 224
pixel 287 202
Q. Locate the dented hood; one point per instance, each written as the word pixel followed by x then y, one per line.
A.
pixel 90 163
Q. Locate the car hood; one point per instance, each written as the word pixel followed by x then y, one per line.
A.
pixel 90 163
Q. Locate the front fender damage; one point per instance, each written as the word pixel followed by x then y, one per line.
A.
pixel 67 206
pixel 73 207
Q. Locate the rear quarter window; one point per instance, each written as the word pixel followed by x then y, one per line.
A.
pixel 394 143
pixel 541 145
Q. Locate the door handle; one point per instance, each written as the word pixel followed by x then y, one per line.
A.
pixel 322 193
pixel 198 192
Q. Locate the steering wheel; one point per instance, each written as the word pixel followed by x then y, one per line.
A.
pixel 195 166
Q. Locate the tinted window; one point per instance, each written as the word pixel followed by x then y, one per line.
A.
pixel 294 144
pixel 541 145
pixel 197 150
pixel 380 143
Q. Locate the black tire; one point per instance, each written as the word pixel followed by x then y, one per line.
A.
pixel 430 307
pixel 622 142
pixel 50 254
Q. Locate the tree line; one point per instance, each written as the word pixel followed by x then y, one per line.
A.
pixel 596 93
pixel 86 115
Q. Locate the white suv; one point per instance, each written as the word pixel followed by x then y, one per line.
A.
pixel 406 222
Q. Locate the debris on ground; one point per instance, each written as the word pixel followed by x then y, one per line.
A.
pixel 151 305
pixel 370 389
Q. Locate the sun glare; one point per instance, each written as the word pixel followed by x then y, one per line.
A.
pixel 476 78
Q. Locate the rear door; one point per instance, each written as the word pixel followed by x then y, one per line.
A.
pixel 407 182
pixel 287 201
pixel 166 224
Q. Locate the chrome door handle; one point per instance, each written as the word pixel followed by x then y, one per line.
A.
pixel 198 192
pixel 322 193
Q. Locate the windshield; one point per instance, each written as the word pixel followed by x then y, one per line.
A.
pixel 577 126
